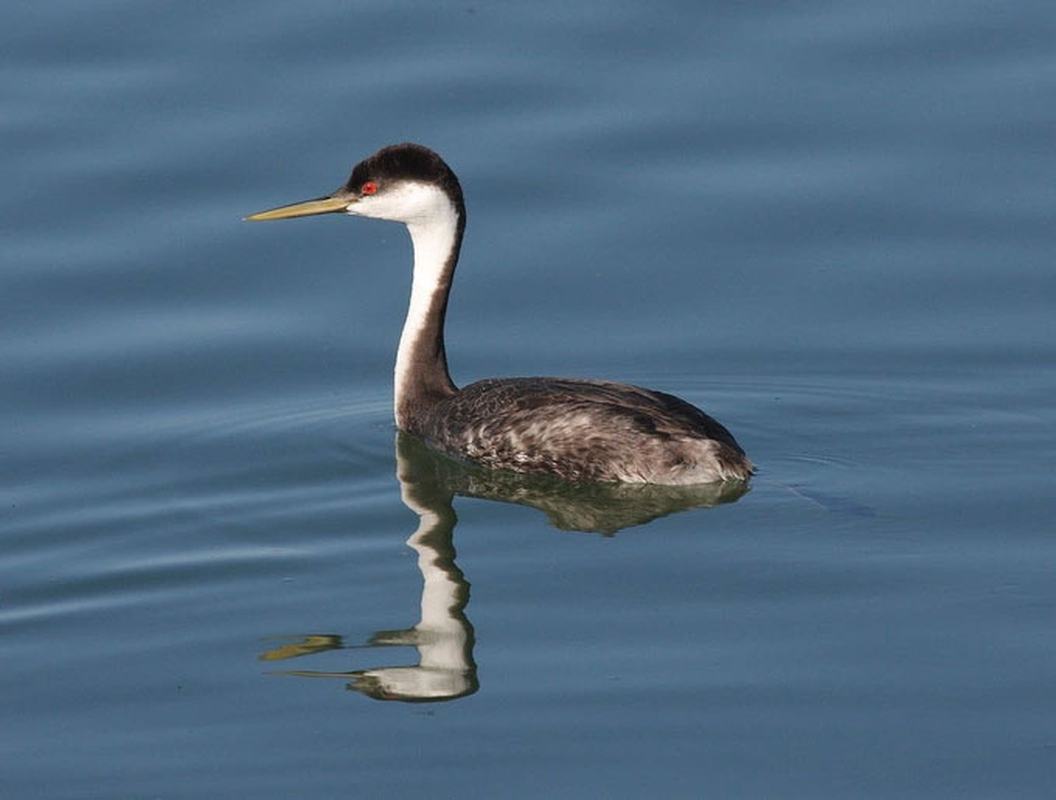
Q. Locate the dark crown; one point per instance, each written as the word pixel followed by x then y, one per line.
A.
pixel 409 162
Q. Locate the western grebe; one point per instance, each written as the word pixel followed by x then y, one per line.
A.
pixel 577 429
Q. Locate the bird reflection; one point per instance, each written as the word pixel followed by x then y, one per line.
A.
pixel 444 636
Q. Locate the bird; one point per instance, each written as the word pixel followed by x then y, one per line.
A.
pixel 580 430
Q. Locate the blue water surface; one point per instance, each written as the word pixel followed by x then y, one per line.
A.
pixel 221 575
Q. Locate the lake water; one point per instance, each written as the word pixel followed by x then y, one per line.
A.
pixel 830 225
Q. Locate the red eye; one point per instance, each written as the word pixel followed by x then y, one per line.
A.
pixel 368 188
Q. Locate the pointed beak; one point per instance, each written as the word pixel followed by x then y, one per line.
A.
pixel 332 204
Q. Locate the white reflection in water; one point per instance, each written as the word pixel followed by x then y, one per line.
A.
pixel 444 636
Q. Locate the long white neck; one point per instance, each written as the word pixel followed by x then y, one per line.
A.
pixel 421 362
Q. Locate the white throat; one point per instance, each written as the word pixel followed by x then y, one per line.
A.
pixel 434 230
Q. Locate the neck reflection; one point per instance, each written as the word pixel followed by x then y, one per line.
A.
pixel 444 635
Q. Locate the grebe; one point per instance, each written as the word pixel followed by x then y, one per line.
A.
pixel 580 430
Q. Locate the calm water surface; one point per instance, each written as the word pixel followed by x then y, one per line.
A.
pixel 224 576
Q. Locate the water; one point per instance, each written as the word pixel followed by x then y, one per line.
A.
pixel 830 226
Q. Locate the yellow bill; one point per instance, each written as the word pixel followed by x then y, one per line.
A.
pixel 323 205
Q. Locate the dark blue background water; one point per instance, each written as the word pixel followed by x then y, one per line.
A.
pixel 830 225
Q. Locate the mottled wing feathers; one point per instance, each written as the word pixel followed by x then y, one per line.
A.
pixel 584 430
